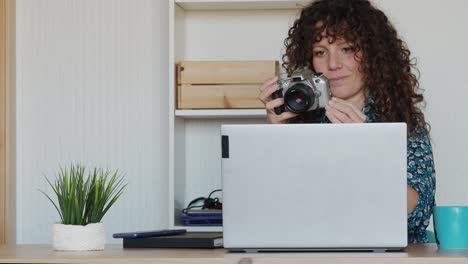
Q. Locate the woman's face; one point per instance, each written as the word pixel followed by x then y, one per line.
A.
pixel 339 62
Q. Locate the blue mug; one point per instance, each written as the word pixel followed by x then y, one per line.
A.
pixel 451 226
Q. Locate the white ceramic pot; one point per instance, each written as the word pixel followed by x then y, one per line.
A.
pixel 78 237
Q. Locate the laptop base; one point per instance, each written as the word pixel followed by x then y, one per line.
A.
pixel 257 250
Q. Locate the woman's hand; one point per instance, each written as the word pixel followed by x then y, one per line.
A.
pixel 341 111
pixel 266 90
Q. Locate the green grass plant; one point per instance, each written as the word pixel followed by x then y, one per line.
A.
pixel 85 200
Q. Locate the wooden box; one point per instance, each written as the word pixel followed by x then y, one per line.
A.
pixel 222 84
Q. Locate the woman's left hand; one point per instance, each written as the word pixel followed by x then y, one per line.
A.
pixel 341 111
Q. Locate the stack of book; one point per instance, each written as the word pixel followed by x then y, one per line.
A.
pixel 203 217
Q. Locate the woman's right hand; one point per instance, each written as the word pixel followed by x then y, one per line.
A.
pixel 266 90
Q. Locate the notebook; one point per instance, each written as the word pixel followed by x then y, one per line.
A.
pixel 306 187
pixel 186 240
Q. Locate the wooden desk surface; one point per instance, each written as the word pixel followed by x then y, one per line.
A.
pixel 417 253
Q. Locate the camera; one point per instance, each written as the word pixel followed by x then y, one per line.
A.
pixel 303 91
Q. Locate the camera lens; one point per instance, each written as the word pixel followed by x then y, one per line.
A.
pixel 298 98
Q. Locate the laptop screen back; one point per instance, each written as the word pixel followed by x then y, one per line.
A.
pixel 314 186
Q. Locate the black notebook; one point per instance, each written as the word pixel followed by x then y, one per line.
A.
pixel 186 240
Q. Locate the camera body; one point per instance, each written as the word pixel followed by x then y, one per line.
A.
pixel 303 91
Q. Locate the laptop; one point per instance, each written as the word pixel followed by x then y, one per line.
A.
pixel 308 187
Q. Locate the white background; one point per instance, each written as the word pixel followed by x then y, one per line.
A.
pixel 435 33
pixel 92 83
pixel 92 88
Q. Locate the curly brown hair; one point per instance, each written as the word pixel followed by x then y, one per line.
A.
pixel 385 63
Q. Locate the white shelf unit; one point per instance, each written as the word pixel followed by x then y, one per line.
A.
pixel 215 30
pixel 239 4
pixel 221 113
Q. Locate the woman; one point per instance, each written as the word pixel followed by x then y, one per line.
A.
pixel 369 68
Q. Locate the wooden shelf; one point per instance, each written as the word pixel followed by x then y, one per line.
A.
pixel 240 4
pixel 222 113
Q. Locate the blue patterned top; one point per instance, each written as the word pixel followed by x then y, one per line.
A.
pixel 421 172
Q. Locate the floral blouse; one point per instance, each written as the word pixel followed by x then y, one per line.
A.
pixel 421 172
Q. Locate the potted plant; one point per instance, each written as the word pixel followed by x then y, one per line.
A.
pixel 81 203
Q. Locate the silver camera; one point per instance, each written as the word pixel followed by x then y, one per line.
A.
pixel 303 91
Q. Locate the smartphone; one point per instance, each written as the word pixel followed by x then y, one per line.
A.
pixel 152 233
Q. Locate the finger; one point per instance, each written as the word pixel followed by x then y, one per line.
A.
pixel 337 116
pixel 268 83
pixel 280 119
pixel 265 95
pixel 358 112
pixel 344 109
pixel 264 98
pixel 270 106
pixel 360 115
pixel 332 118
pixel 287 115
pixel 275 119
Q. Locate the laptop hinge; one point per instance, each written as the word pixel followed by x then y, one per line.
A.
pixel 225 147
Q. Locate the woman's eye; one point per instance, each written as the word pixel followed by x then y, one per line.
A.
pixel 349 49
pixel 319 53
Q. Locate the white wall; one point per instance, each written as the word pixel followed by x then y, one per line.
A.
pixel 436 33
pixel 92 88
